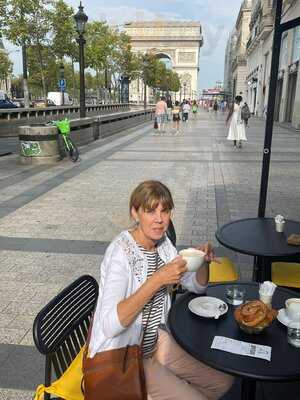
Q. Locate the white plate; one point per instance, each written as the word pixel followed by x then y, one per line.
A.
pixel 207 307
pixel 282 317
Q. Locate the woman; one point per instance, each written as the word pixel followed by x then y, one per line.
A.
pixel 161 114
pixel 176 116
pixel 138 266
pixel 237 131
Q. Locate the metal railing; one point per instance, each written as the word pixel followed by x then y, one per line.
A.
pixel 33 113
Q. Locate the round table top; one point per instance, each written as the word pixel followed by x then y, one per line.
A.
pixel 258 237
pixel 195 334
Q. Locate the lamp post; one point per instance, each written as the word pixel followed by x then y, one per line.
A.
pixel 62 77
pixel 184 88
pixel 81 20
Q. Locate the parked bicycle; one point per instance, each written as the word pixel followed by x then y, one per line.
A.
pixel 63 127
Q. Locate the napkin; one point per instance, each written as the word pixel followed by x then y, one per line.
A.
pixel 279 218
pixel 267 288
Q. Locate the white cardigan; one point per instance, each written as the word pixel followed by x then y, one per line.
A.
pixel 123 271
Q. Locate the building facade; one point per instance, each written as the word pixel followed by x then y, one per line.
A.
pixel 229 57
pixel 258 62
pixel 239 64
pixel 176 42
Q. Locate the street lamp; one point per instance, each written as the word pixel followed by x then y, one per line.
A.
pixel 184 88
pixel 81 20
pixel 62 78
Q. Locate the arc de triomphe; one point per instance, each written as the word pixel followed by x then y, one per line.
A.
pixel 180 42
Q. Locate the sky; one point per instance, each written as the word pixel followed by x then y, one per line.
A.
pixel 216 17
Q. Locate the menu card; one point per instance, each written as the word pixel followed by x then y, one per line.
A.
pixel 243 348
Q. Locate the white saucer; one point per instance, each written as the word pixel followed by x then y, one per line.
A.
pixel 207 307
pixel 282 317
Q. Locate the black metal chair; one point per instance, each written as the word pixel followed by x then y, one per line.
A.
pixel 60 328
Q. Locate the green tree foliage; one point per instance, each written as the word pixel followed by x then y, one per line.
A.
pixel 157 76
pixel 63 33
pixel 5 65
pixel 47 29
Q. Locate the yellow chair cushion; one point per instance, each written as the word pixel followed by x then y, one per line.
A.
pixel 68 386
pixel 222 272
pixel 286 274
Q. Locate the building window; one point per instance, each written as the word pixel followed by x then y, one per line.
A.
pixel 284 52
pixel 296 45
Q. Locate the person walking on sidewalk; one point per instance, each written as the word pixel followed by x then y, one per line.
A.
pixel 176 116
pixel 194 109
pixel 161 114
pixel 169 108
pixel 185 111
pixel 237 131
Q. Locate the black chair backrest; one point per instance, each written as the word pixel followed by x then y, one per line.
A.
pixel 171 233
pixel 60 328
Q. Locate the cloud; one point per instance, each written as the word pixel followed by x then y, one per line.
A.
pixel 213 36
pixel 120 15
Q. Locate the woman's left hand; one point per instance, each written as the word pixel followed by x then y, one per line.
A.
pixel 209 251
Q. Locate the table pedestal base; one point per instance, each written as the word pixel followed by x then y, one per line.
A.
pixel 248 390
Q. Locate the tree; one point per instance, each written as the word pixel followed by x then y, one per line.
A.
pixel 5 66
pixel 63 36
pixel 27 23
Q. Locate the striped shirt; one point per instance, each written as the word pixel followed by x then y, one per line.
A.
pixel 151 333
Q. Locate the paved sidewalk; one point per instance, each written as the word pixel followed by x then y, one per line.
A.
pixel 55 222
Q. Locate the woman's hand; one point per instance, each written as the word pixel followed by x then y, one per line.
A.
pixel 171 273
pixel 207 248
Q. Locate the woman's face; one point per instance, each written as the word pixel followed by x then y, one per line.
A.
pixel 152 223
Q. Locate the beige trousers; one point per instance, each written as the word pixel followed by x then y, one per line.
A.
pixel 172 374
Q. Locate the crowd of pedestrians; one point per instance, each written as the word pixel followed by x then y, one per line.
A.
pixel 177 112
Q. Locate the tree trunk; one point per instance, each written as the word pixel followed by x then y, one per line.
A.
pixel 40 58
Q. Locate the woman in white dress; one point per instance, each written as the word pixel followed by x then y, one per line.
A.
pixel 237 131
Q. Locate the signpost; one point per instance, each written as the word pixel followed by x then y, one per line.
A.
pixel 62 88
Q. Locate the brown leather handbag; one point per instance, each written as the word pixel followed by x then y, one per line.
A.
pixel 115 375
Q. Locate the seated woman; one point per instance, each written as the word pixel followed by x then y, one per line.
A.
pixel 137 269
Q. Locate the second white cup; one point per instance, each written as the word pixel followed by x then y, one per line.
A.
pixel 292 307
pixel 194 258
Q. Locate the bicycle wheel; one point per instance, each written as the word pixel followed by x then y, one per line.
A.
pixel 73 151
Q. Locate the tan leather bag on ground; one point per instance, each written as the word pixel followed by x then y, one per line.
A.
pixel 115 375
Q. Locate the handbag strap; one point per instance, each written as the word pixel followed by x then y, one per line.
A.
pixel 152 301
pixel 144 330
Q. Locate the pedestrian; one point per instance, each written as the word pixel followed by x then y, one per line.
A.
pixel 215 107
pixel 176 116
pixel 169 108
pixel 185 111
pixel 137 268
pixel 161 114
pixel 245 113
pixel 237 131
pixel 194 109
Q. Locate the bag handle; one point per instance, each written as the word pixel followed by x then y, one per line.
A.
pixel 144 330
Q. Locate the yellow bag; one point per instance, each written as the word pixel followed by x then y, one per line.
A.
pixel 68 386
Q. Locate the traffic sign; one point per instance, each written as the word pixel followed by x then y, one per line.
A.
pixel 62 83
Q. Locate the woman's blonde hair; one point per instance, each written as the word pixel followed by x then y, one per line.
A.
pixel 149 194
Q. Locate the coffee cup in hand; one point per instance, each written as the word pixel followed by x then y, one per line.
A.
pixel 292 307
pixel 194 258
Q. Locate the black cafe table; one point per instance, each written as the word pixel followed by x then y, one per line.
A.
pixel 195 334
pixel 258 237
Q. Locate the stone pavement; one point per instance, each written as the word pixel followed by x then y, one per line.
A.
pixel 55 222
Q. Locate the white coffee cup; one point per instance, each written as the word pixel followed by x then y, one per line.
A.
pixel 292 307
pixel 194 258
